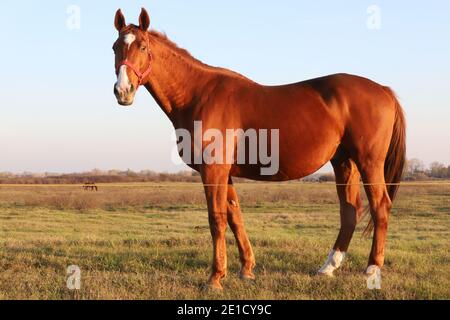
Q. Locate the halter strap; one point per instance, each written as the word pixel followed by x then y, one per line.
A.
pixel 141 75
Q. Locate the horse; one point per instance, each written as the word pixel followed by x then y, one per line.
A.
pixel 90 187
pixel 350 121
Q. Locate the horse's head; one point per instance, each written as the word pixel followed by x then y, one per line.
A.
pixel 133 57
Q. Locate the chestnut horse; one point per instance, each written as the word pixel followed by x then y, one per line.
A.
pixel 351 121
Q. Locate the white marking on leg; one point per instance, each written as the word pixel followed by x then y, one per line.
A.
pixel 373 269
pixel 334 261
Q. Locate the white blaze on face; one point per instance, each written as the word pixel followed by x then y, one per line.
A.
pixel 123 83
pixel 129 39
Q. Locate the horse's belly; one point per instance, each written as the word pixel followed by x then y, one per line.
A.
pixel 293 163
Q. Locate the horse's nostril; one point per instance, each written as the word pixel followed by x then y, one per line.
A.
pixel 116 92
pixel 132 88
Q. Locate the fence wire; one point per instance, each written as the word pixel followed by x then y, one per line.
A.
pixel 199 184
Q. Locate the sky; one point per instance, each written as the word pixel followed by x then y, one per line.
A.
pixel 58 112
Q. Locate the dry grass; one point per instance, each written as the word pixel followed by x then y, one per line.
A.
pixel 152 242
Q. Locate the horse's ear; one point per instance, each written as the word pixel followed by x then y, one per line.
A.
pixel 119 20
pixel 144 20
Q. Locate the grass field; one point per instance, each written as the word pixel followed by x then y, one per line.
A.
pixel 153 242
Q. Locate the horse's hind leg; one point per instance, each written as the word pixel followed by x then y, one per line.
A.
pixel 380 205
pixel 348 189
pixel 236 222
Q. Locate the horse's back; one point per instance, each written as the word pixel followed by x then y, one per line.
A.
pixel 341 87
pixel 337 101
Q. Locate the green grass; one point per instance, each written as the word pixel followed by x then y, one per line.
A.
pixel 154 243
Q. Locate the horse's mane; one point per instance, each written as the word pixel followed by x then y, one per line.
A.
pixel 184 53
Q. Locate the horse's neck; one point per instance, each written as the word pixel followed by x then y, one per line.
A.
pixel 177 80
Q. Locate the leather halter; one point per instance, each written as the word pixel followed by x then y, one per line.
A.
pixel 140 75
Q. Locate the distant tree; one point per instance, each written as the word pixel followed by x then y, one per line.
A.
pixel 329 177
pixel 438 170
pixel 414 166
pixel 113 172
pixel 131 173
pixel 6 175
pixel 96 172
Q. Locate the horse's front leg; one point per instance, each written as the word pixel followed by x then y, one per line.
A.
pixel 215 180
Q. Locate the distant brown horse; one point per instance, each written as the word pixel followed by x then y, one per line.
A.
pixel 351 121
pixel 90 187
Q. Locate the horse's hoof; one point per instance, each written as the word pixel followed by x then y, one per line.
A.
pixel 247 276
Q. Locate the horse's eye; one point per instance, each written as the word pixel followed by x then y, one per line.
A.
pixel 143 49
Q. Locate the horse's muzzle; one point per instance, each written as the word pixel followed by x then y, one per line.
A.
pixel 124 97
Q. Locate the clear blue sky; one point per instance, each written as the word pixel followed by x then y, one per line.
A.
pixel 58 113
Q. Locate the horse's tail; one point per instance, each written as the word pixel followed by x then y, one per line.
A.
pixel 396 156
